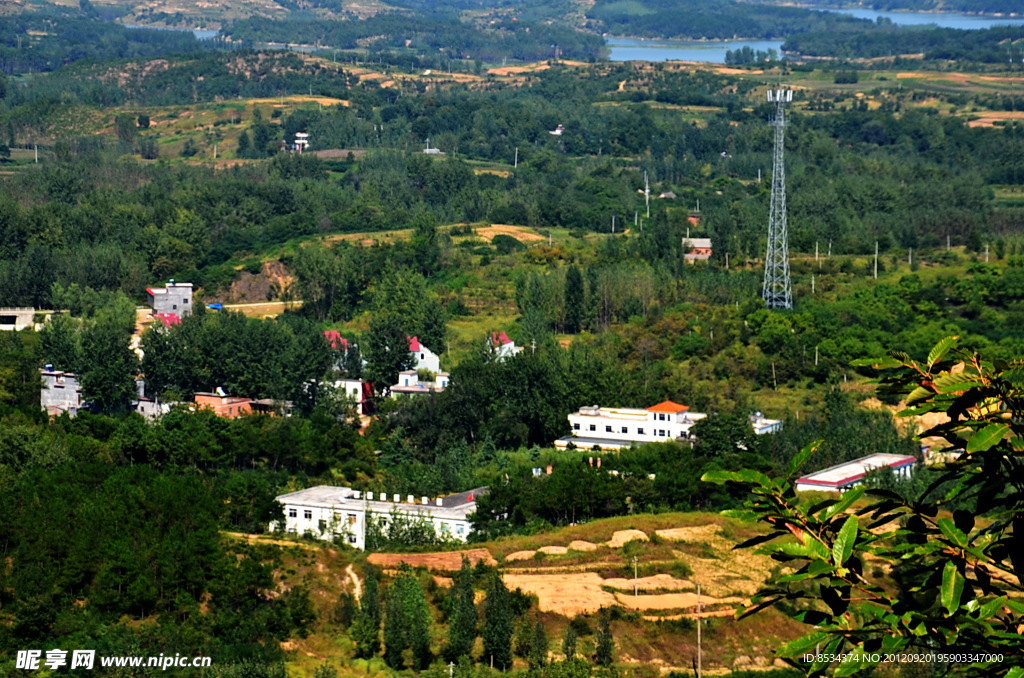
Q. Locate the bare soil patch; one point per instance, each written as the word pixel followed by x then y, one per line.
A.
pixel 566 595
pixel 446 562
pixel 623 537
pixel 520 233
pixel 671 601
pixel 656 582
pixel 990 119
pixel 580 545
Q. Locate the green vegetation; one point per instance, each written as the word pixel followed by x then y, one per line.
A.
pixel 958 577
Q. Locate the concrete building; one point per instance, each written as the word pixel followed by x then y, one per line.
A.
pixel 409 384
pixel 423 357
pixel 60 392
pixel 842 477
pixel 340 512
pixel 17 319
pixel 358 391
pixel 175 299
pixel 613 428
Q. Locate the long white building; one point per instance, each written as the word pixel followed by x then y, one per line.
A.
pixel 613 428
pixel 842 477
pixel 328 512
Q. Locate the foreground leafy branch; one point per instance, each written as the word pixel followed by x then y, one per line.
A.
pixel 876 574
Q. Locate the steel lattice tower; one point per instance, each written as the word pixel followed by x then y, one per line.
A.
pixel 778 291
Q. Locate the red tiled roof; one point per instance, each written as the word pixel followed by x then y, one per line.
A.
pixel 168 319
pixel 414 343
pixel 500 339
pixel 668 406
pixel 335 339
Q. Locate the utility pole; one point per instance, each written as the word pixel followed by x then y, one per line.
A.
pixel 636 589
pixel 647 194
pixel 515 164
pixel 876 260
pixel 777 291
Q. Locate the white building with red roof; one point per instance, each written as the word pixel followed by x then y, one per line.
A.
pixel 502 346
pixel 174 299
pixel 613 428
pixel 423 357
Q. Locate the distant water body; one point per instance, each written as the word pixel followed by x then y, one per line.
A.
pixel 713 51
pixel 200 33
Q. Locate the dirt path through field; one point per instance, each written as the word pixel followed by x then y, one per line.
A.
pixel 357 586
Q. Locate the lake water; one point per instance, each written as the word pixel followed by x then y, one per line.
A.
pixel 713 51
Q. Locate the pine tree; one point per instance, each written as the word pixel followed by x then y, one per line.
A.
pixel 462 619
pixel 605 642
pixel 538 655
pixel 569 642
pixel 497 628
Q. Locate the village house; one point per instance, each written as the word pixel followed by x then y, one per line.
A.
pixel 502 346
pixel 175 299
pixel 696 249
pixel 409 383
pixel 842 477
pixel 60 392
pixel 224 405
pixel 330 513
pixel 423 357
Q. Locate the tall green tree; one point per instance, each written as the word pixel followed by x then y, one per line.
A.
pixel 497 626
pixel 386 347
pixel 575 301
pixel 569 642
pixel 60 343
pixel 605 648
pixel 365 630
pixel 109 365
pixel 406 622
pixel 462 615
pixel 538 654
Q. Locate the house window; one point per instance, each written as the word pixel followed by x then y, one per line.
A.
pixel 292 513
pixel 593 427
pixel 640 431
pixel 322 525
pixel 608 429
pixel 352 519
pixel 625 429
pixel 351 539
pixel 461 529
pixel 421 356
pixel 575 427
pixel 174 307
pixel 308 515
pixel 661 417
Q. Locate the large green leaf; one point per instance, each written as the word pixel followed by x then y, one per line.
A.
pixel 940 350
pixel 744 476
pixel 987 437
pixel 954 383
pixel 952 588
pixel 803 644
pixel 842 547
pixel 801 458
pixel 847 500
pixel 952 532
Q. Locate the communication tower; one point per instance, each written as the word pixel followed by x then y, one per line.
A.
pixel 778 291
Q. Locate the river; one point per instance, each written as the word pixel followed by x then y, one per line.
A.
pixel 713 51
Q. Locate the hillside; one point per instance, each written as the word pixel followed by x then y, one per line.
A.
pixel 574 572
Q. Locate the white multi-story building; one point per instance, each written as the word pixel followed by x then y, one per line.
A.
pixel 842 477
pixel 612 428
pixel 328 512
